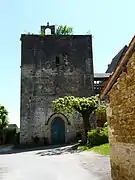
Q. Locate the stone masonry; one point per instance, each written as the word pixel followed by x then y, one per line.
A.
pixel 121 117
pixel 51 67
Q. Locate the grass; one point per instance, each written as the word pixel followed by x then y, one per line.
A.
pixel 102 149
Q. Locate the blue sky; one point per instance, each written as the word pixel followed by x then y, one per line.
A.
pixel 111 23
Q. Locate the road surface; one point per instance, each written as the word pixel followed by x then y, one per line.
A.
pixel 54 164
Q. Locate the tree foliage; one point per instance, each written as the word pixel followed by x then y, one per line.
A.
pixel 85 106
pixel 42 33
pixel 3 117
pixel 68 104
pixel 64 30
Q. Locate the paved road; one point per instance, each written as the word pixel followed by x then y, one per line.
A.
pixel 54 164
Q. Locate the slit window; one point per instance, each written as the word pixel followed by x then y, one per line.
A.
pixel 57 61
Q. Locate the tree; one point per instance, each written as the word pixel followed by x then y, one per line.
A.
pixel 85 106
pixel 64 30
pixel 3 119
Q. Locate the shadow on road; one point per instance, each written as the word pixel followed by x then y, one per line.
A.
pixel 59 151
pixel 45 150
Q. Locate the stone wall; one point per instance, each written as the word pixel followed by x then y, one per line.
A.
pixel 121 120
pixel 52 67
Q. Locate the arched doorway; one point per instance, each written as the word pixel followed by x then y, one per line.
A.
pixel 58 130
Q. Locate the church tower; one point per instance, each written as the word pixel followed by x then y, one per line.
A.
pixel 52 66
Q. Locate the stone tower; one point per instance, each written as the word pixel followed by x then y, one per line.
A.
pixel 51 67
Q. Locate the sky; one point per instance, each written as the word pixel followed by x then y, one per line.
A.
pixel 111 22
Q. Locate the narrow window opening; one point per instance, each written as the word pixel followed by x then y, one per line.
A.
pixel 57 61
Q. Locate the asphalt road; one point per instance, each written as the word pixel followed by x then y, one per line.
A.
pixel 54 164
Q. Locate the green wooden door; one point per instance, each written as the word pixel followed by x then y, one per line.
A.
pixel 58 131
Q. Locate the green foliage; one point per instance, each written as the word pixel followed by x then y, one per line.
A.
pixel 64 30
pixel 69 104
pixel 42 33
pixel 85 106
pixel 83 148
pixel 101 149
pixel 98 136
pixel 106 124
pixel 101 105
pixel 3 117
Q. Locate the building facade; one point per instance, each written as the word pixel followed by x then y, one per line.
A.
pixel 51 67
pixel 120 95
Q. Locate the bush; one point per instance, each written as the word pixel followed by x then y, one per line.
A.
pixel 98 136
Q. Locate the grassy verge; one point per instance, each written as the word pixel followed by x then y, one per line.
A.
pixel 102 149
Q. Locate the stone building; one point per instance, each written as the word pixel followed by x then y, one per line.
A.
pixel 120 95
pixel 51 67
